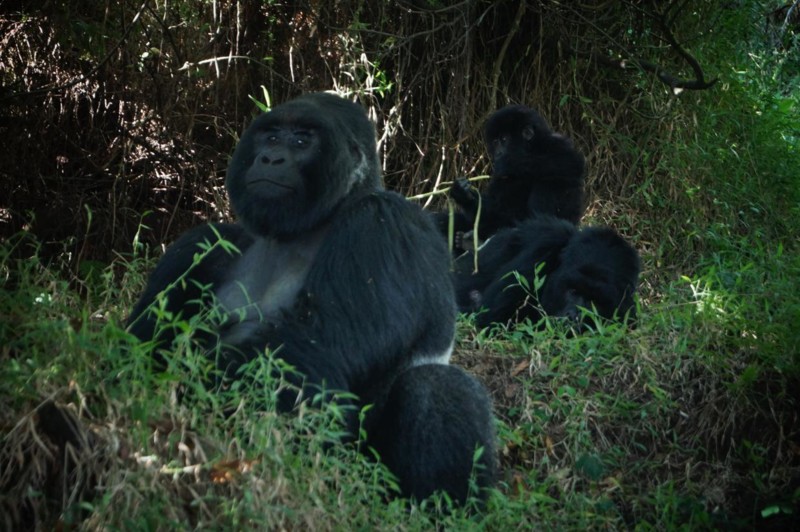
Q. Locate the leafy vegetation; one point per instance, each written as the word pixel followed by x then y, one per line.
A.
pixel 687 421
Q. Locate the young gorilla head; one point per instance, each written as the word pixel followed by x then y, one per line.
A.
pixel 535 172
pixel 521 145
pixel 510 135
pixel 294 165
pixel 598 269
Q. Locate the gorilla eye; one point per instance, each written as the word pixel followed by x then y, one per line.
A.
pixel 527 133
pixel 302 139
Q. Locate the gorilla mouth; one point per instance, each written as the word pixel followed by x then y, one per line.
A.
pixel 271 182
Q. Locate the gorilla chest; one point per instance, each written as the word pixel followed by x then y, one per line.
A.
pixel 264 283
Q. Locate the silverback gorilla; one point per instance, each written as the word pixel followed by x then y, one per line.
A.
pixel 346 282
pixel 534 172
pixel 591 268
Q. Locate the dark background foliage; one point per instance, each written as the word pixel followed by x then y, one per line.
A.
pixel 118 113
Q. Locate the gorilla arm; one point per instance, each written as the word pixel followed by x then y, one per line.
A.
pixel 198 259
pixel 465 197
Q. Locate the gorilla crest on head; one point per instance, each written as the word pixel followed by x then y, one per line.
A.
pixel 322 151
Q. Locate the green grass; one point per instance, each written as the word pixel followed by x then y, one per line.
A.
pixel 151 454
pixel 686 420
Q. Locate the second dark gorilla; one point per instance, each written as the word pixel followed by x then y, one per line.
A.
pixel 344 281
pixel 534 172
pixel 591 268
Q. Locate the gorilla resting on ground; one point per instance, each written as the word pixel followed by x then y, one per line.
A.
pixel 534 172
pixel 591 267
pixel 348 284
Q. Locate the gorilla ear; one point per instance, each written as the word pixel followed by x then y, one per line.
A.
pixel 528 133
pixel 355 149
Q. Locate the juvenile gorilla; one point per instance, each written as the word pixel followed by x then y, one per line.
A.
pixel 591 268
pixel 348 282
pixel 534 172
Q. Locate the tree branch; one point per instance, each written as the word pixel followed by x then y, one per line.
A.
pixel 627 59
pixel 699 83
pixel 500 56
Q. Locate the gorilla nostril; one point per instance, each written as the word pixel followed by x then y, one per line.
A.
pixel 264 159
pixel 279 161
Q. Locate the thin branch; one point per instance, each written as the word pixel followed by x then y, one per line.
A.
pixel 500 56
pixel 699 82
pixel 788 16
pixel 675 83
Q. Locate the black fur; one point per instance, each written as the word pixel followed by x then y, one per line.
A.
pixel 534 172
pixel 426 402
pixel 588 268
pixel 348 281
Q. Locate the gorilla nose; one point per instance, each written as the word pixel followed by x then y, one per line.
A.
pixel 266 160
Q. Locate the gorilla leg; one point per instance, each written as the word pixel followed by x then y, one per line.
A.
pixel 429 428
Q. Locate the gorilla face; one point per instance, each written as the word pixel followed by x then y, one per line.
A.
pixel 282 155
pixel 512 135
pixel 294 165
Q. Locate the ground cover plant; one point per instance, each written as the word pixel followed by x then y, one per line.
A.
pixel 116 140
